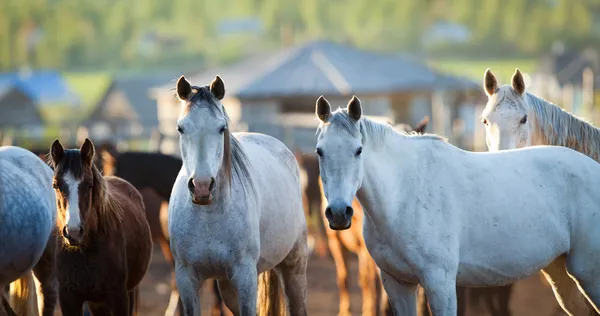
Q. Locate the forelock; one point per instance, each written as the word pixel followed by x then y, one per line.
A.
pixel 505 97
pixel 71 163
pixel 202 97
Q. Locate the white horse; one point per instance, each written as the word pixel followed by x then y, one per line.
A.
pixel 488 219
pixel 235 211
pixel 27 218
pixel 514 118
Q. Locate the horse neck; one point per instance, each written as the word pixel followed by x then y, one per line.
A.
pixel 105 209
pixel 384 169
pixel 576 134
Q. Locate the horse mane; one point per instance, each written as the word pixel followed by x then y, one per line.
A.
pixel 369 130
pixel 109 210
pixel 106 213
pixel 235 161
pixel 558 127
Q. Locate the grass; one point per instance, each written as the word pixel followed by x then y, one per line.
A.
pixel 90 86
pixel 474 69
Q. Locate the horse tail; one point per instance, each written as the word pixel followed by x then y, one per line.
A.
pixel 270 295
pixel 23 296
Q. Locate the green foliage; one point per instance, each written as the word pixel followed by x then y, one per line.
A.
pixel 71 34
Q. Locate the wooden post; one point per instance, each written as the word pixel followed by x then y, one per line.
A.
pixel 438 112
pixel 588 93
pixel 568 97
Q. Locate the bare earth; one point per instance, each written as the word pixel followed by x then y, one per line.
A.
pixel 531 296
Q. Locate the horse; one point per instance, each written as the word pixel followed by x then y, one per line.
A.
pixel 135 168
pixel 514 118
pixel 351 240
pixel 105 244
pixel 235 211
pixel 26 226
pixel 489 219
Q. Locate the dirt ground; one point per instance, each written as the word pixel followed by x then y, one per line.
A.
pixel 531 296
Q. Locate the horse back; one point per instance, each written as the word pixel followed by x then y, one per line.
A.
pixel 134 227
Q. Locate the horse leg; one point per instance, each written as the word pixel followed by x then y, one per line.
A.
pixel 461 301
pixel 245 280
pixel 5 309
pixel 403 295
pixel 218 307
pixel 503 293
pixel 293 272
pixel 366 279
pixel 583 270
pixel 565 290
pixel 189 283
pixel 422 305
pixel 71 304
pixel 98 309
pixel 163 240
pixel 384 301
pixel 45 273
pixel 440 289
pixel 118 302
pixel 229 295
pixel 340 255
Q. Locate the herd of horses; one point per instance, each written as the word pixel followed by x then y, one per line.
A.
pixel 431 224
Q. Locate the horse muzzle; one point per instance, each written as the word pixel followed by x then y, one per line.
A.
pixel 73 235
pixel 201 190
pixel 339 216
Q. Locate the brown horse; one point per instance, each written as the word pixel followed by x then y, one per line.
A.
pixel 105 249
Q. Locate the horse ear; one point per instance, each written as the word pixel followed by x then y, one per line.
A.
pixel 490 84
pixel 57 152
pixel 354 108
pixel 518 83
pixel 217 88
pixel 323 110
pixel 420 128
pixel 184 88
pixel 87 152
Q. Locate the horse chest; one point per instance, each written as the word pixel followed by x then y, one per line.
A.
pixel 90 274
pixel 214 251
pixel 388 258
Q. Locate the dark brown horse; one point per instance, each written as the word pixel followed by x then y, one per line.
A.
pixel 139 169
pixel 105 246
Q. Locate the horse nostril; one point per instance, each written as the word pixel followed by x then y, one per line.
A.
pixel 349 212
pixel 328 213
pixel 191 185
pixel 211 186
pixel 65 232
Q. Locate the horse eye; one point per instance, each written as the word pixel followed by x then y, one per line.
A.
pixel 358 152
pixel 319 152
pixel 484 121
pixel 223 129
pixel 524 119
pixel 179 129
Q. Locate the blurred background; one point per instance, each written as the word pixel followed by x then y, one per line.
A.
pixel 71 69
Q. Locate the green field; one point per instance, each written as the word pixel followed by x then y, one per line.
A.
pixel 503 69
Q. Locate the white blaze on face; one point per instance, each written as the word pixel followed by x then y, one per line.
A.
pixel 73 218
